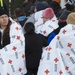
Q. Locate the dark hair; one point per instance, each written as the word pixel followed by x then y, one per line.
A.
pixel 18 12
pixel 69 7
pixel 14 17
pixel 32 9
pixel 7 29
pixel 29 28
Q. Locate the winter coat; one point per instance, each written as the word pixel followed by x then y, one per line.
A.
pixel 34 44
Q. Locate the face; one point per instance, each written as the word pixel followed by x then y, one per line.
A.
pixel 45 19
pixel 3 20
pixel 16 20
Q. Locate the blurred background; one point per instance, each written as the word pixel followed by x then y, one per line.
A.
pixel 12 4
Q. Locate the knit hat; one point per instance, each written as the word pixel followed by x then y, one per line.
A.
pixel 71 18
pixel 48 13
pixel 39 6
pixel 2 11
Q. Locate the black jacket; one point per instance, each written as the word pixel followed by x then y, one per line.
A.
pixel 33 49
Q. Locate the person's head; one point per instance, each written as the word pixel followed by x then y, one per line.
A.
pixel 14 17
pixel 18 12
pixel 48 14
pixel 32 9
pixel 29 28
pixel 45 3
pixel 39 6
pixel 71 18
pixel 3 17
pixel 69 7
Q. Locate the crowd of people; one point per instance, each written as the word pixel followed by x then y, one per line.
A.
pixel 38 38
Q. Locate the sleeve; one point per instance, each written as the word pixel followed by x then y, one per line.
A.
pixel 12 56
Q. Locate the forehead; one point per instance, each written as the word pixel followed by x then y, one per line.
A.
pixel 4 15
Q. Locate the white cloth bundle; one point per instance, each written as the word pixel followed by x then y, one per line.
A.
pixel 59 57
pixel 12 56
pixel 47 28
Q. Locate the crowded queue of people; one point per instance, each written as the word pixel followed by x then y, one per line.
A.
pixel 38 40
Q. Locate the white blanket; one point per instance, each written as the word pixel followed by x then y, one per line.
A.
pixel 59 57
pixel 12 56
pixel 46 28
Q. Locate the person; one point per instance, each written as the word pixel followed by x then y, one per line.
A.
pixel 55 5
pixel 26 7
pixel 64 14
pixel 33 49
pixel 20 15
pixel 12 46
pixel 59 57
pixel 36 11
pixel 49 24
pixel 15 18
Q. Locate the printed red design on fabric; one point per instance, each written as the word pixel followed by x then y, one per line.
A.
pixel 64 31
pixel 67 68
pixel 56 60
pixel 53 20
pixel 14 48
pixel 68 54
pixel 18 37
pixel 36 21
pixel 47 71
pixel 69 45
pixel 44 32
pixel 48 48
pixel 20 69
pixel 10 61
pixel 16 28
pixel 23 55
pixel 61 72
pixel 58 37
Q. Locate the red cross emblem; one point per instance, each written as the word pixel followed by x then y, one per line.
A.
pixel 18 37
pixel 53 20
pixel 44 32
pixel 23 55
pixel 67 68
pixel 68 54
pixel 48 48
pixel 20 69
pixel 16 28
pixel 36 21
pixel 58 37
pixel 56 60
pixel 64 31
pixel 10 61
pixel 61 72
pixel 69 45
pixel 14 48
pixel 47 71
